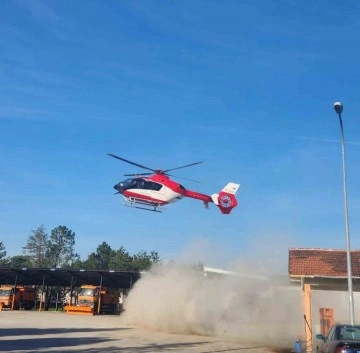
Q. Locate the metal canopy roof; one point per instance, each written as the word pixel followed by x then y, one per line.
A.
pixel 66 278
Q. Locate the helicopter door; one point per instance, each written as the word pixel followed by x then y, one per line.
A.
pixel 158 190
pixel 152 189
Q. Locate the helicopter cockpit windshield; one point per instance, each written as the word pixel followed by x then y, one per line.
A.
pixel 123 185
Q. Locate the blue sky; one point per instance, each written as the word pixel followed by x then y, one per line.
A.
pixel 247 87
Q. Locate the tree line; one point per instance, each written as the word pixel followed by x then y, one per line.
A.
pixel 57 250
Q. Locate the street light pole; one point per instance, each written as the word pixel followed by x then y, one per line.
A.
pixel 339 109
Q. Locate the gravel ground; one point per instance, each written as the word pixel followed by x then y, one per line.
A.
pixel 32 331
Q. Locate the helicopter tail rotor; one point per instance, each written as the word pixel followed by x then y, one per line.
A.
pixel 226 199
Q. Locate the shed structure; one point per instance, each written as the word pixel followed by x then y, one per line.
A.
pixel 67 278
pixel 321 269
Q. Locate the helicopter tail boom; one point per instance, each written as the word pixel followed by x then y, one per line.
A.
pixel 226 199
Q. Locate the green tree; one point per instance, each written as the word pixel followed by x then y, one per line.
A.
pixel 142 261
pixel 20 261
pixel 78 264
pixel 155 258
pixel 37 247
pixel 3 259
pixel 90 263
pixel 121 261
pixel 61 247
pixel 105 258
pixel 101 259
pixel 2 250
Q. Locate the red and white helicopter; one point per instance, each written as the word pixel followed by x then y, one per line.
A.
pixel 149 191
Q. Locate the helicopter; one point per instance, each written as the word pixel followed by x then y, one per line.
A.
pixel 152 190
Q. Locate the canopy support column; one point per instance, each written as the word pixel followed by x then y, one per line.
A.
pixel 14 294
pixel 42 297
pixel 306 289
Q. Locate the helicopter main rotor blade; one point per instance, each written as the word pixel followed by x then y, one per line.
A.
pixel 184 166
pixel 174 176
pixel 133 163
pixel 138 174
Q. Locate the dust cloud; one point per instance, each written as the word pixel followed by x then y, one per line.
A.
pixel 249 304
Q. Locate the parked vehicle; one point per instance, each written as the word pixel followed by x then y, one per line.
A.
pixel 341 338
pixel 93 300
pixel 21 297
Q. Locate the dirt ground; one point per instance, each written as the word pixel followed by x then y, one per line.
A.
pixel 32 331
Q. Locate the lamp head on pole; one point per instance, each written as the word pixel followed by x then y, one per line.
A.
pixel 338 107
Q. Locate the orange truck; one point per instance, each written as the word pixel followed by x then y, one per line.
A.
pixel 92 300
pixel 19 297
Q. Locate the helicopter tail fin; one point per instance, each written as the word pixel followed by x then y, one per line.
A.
pixel 226 199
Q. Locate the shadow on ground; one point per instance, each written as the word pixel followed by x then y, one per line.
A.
pixel 108 344
pixel 52 331
pixel 40 341
pixel 58 344
pixel 177 347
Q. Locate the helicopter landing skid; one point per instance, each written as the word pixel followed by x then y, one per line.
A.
pixel 148 209
pixel 143 208
pixel 143 205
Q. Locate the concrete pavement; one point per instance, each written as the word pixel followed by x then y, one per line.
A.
pixel 33 331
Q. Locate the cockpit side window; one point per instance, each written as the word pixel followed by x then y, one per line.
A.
pixel 139 183
pixel 150 185
pixel 136 184
pixel 155 186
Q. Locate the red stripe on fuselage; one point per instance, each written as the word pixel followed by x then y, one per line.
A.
pixel 137 196
pixel 165 180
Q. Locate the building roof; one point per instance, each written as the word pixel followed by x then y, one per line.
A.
pixel 322 262
pixel 66 278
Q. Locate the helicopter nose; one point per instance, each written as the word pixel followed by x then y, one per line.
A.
pixel 119 187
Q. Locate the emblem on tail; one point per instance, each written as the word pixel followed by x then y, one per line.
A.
pixel 226 199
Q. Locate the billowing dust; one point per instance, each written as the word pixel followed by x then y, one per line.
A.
pixel 241 306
